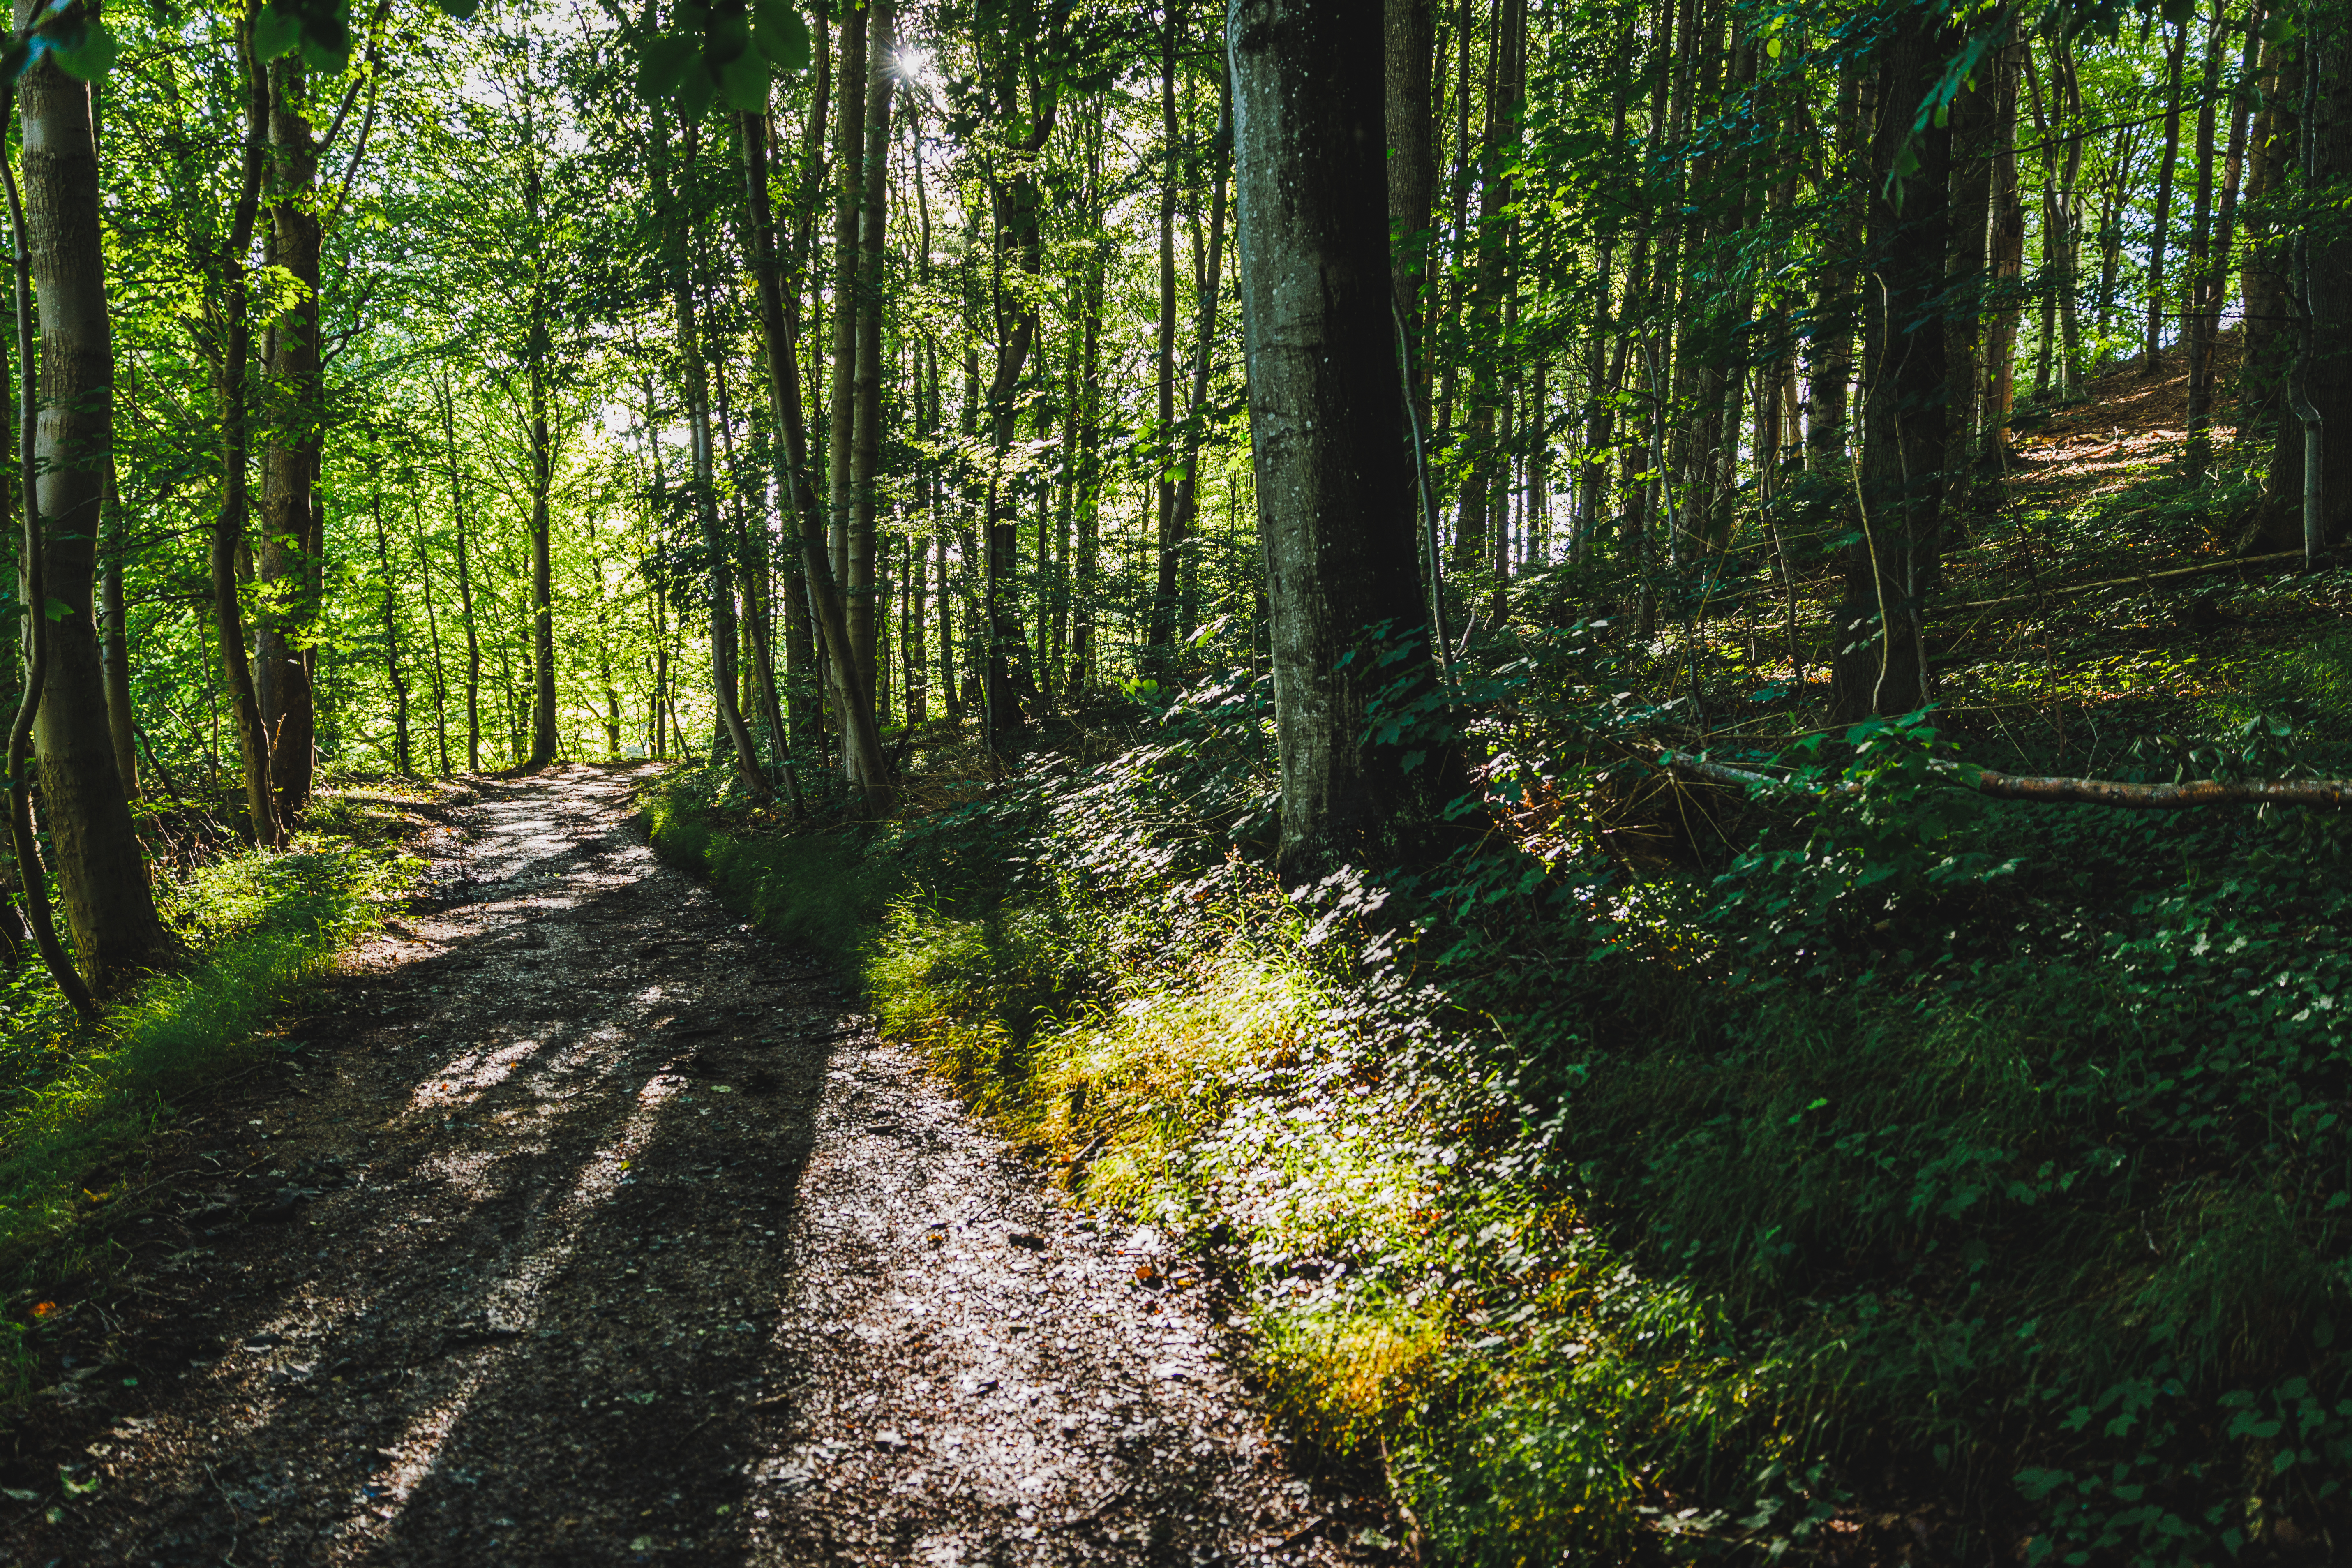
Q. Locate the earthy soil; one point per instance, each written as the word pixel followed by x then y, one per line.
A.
pixel 588 1227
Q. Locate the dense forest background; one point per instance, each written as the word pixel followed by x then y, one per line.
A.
pixel 1782 455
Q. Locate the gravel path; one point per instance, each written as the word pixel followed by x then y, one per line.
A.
pixel 589 1228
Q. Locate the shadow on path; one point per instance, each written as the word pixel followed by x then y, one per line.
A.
pixel 598 1232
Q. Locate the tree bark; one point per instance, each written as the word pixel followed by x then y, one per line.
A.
pixel 2298 502
pixel 289 463
pixel 2152 353
pixel 1880 666
pixel 864 603
pixel 803 509
pixel 1325 410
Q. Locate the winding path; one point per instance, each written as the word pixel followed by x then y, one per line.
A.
pixel 588 1227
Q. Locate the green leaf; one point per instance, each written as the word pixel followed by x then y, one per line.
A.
pixel 91 57
pixel 780 34
pixel 662 63
pixel 744 81
pixel 694 92
pixel 463 10
pixel 276 31
pixel 325 58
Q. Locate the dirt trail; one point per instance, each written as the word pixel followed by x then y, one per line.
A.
pixel 596 1230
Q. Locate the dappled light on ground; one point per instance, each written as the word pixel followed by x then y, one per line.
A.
pixel 594 1230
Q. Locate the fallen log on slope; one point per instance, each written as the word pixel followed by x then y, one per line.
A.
pixel 2331 794
pixel 2145 580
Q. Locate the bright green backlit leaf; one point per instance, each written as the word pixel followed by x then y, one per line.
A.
pixel 1772 48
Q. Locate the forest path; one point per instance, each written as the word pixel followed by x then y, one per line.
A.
pixel 596 1231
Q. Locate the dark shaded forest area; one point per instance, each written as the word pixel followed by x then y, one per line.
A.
pixel 1640 709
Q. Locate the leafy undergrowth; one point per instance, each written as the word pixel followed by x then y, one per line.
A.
pixel 75 1099
pixel 1918 1167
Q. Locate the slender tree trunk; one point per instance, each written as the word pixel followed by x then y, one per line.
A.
pixel 433 639
pixel 861 737
pixel 1160 636
pixel 229 526
pixel 849 190
pixel 865 598
pixel 2213 265
pixel 464 577
pixel 2160 234
pixel 2007 257
pixel 1829 348
pixel 400 756
pixel 122 721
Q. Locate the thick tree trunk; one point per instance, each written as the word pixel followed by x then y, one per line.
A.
pixel 1880 664
pixel 1325 410
pixel 101 871
pixel 289 463
pixel 2300 500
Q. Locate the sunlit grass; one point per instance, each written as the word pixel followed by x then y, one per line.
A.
pixel 76 1099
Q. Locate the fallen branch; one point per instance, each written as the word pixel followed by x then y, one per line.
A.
pixel 2332 795
pixel 2145 579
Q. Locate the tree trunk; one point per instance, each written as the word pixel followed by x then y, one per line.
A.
pixel 433 639
pixel 2152 355
pixel 1325 410
pixel 101 871
pixel 1828 347
pixel 464 577
pixel 2306 499
pixel 229 525
pixel 399 760
pixel 861 738
pixel 1880 666
pixel 289 465
pixel 2005 258
pixel 862 591
pixel 122 722
pixel 1160 635
pixel 724 680
pixel 840 423
pixel 2213 260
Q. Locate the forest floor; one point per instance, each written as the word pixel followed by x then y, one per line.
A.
pixel 588 1227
